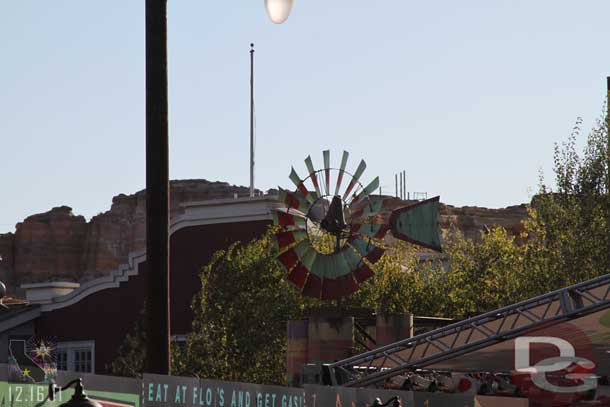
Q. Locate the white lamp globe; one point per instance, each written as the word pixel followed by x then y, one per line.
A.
pixel 278 10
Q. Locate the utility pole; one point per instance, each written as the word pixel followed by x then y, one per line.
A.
pixel 251 120
pixel 157 191
pixel 608 136
pixel 396 187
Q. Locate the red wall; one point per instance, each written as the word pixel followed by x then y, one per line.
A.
pixel 108 315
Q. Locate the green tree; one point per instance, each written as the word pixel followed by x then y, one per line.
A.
pixel 573 219
pixel 239 330
pixel 130 361
pixel 132 353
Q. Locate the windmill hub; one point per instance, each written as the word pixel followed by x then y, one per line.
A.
pixel 334 221
pixel 328 224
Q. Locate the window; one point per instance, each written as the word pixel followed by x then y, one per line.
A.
pixel 76 356
pixel 62 360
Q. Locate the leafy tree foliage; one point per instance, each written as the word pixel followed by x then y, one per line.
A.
pixel 573 220
pixel 240 316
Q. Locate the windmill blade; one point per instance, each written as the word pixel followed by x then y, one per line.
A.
pixel 291 219
pixel 367 249
pixel 363 273
pixel 291 212
pixel 326 154
pixel 355 178
pixel 288 259
pixel 287 238
pixel 352 256
pixel 365 209
pixel 334 288
pixel 301 254
pixel 313 286
pixel 330 266
pixel 298 275
pixel 341 171
pixel 318 210
pixel 296 180
pixel 418 224
pixel 306 253
pixel 293 200
pixel 370 188
pixel 373 230
pixel 360 270
pixel 312 174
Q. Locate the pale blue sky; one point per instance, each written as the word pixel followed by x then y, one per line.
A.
pixel 468 97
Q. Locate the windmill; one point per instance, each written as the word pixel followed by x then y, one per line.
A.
pixel 327 236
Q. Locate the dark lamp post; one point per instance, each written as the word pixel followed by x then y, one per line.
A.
pixel 394 400
pixel 79 399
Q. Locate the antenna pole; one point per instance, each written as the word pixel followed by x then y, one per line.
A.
pixel 608 135
pixel 396 187
pixel 251 120
pixel 401 197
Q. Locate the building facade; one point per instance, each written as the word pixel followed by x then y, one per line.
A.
pixel 89 322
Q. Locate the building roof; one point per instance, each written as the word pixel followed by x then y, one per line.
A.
pixel 13 315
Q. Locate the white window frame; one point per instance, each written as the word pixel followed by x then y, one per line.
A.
pixel 71 347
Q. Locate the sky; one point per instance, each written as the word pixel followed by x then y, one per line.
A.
pixel 467 97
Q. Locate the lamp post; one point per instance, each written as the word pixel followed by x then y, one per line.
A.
pixel 157 181
pixel 394 400
pixel 278 10
pixel 79 398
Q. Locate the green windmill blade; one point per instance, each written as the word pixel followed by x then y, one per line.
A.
pixel 296 180
pixel 365 209
pixel 341 171
pixel 375 230
pixel 330 266
pixel 418 224
pixel 355 179
pixel 370 188
pixel 306 254
pixel 360 270
pixel 352 257
pixel 313 175
pixel 367 250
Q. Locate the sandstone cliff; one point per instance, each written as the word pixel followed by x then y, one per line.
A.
pixel 58 245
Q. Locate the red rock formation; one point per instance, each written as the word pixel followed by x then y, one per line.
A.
pixel 112 235
pixel 7 242
pixel 472 220
pixel 48 246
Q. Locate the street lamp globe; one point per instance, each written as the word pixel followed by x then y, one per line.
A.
pixel 278 10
